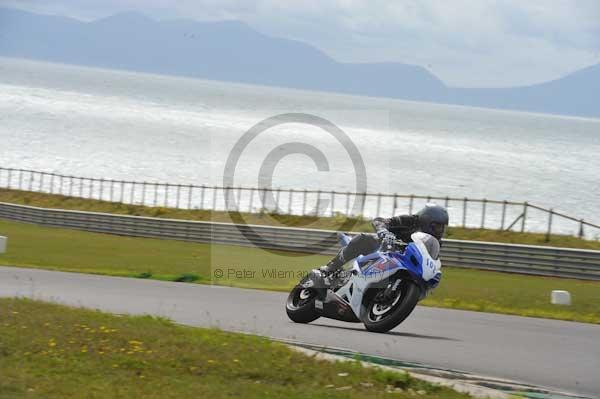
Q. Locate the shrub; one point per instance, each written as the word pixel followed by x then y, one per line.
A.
pixel 187 278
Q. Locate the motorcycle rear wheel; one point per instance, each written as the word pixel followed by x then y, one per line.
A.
pixel 382 317
pixel 300 305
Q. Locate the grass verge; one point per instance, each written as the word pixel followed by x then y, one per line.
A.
pixel 62 202
pixel 52 351
pixel 71 250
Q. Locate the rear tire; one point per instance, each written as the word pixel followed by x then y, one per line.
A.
pixel 300 305
pixel 382 318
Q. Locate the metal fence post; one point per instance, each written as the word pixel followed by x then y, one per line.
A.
pixel 167 195
pixel 262 200
pixel 446 202
pixel 122 195
pixel 277 196
pixel 31 179
pixel 581 232
pixel 503 215
pixel 483 206
pixel 347 203
pixel 131 192
pixel 70 186
pixel 190 188
pixel 228 197
pixel 318 202
pixel 178 196
pixel 143 193
pixel 9 178
pixel 91 189
pixel 251 200
pixel 304 199
pixel 155 202
pixel 464 219
pixel 51 183
pixel 214 198
pixel 364 204
pixel 112 190
pixel 291 201
pixel 202 196
pixel 236 199
pixel 332 203
pixel 525 205
pixel 549 231
pixel 378 205
pixel 20 179
pixel 41 189
pixel 410 204
pixel 101 188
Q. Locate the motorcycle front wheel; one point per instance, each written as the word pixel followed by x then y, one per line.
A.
pixel 383 313
pixel 300 305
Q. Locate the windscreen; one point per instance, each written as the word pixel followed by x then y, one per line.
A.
pixel 430 242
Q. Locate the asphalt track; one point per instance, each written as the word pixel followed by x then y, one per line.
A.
pixel 555 354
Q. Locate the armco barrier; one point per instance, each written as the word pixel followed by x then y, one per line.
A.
pixel 547 261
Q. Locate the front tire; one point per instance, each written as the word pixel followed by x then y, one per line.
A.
pixel 300 305
pixel 383 315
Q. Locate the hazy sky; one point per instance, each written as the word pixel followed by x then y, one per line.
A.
pixel 464 42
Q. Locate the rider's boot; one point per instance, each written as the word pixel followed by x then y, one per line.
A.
pixel 319 279
pixel 333 265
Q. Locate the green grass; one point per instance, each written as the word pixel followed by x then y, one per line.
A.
pixel 333 223
pixel 52 351
pixel 70 250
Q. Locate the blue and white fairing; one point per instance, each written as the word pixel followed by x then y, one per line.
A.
pixel 420 260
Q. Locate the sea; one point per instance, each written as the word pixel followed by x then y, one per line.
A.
pixel 124 125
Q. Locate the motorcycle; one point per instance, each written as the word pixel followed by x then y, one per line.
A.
pixel 380 289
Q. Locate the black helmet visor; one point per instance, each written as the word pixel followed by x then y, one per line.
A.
pixel 438 230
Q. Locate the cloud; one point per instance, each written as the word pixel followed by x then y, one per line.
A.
pixel 465 42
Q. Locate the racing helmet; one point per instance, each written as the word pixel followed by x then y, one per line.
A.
pixel 433 219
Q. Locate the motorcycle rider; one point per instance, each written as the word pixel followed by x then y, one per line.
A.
pixel 432 219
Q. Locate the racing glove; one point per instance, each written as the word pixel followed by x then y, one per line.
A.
pixel 387 239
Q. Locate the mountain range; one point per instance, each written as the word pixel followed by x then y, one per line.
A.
pixel 232 51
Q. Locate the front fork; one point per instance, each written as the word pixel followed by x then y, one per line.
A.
pixel 390 291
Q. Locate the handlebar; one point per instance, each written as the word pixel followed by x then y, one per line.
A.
pixel 398 244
